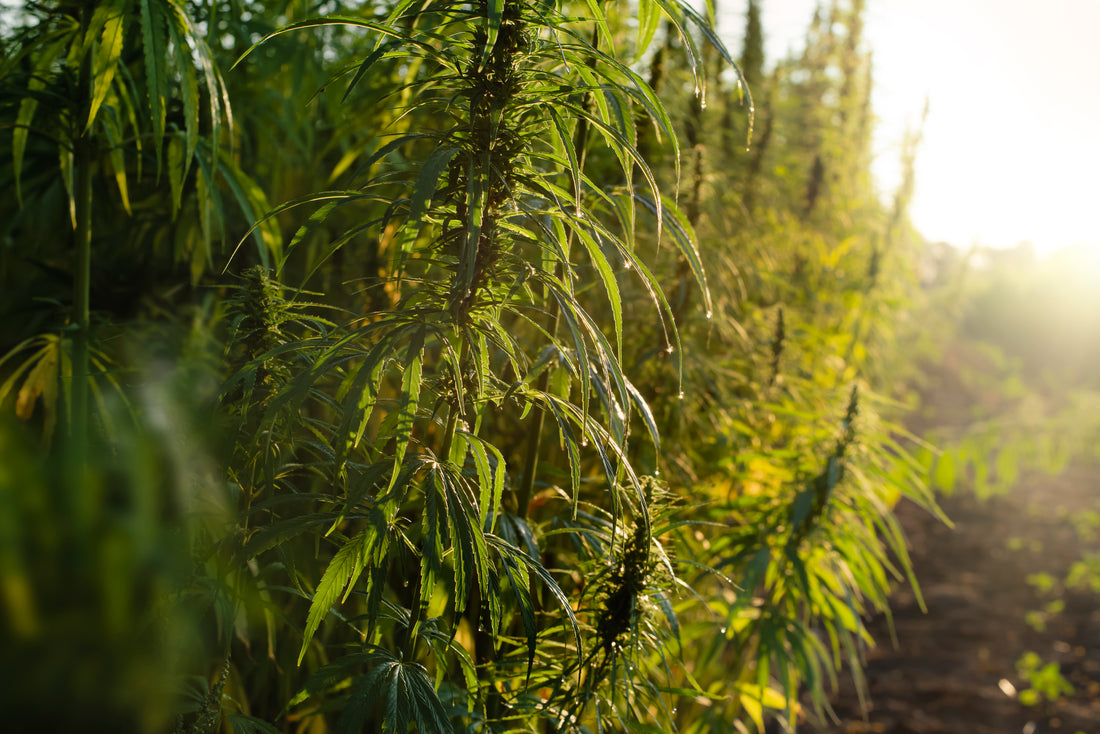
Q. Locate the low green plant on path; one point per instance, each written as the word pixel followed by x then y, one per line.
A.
pixel 1046 682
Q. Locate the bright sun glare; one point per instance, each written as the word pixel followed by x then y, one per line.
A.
pixel 1010 151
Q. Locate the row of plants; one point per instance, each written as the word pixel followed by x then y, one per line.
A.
pixel 483 366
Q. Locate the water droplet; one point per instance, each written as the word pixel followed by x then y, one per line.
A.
pixel 723 630
pixel 673 712
pixel 627 265
pixel 680 396
pixel 710 315
pixel 656 472
pixel 584 442
pixel 670 349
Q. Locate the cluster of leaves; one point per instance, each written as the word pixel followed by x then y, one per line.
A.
pixel 1046 682
pixel 504 457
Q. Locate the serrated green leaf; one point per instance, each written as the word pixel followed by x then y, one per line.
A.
pixel 409 402
pixel 426 184
pixel 504 548
pixel 175 172
pixel 113 14
pixel 610 284
pixel 336 582
pixel 154 47
pixel 19 134
pixel 189 92
pixel 365 65
pixel 426 707
pixel 117 156
pixel 649 19
pixel 494 16
pixel 475 213
pixel 607 38
pixel 28 105
pixel 363 395
pixel 467 541
pixel 489 463
pixel 252 202
pixel 521 588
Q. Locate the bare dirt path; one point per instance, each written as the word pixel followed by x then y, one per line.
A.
pixel 954 669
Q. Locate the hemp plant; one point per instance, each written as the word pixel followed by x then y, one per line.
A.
pixel 420 463
pixel 103 98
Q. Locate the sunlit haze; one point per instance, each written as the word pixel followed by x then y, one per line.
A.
pixel 1011 148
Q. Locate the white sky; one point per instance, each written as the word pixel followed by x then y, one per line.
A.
pixel 1011 147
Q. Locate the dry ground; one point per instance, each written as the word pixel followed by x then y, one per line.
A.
pixel 944 676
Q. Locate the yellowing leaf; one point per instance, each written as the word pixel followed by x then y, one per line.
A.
pixel 113 17
pixel 755 698
pixel 41 382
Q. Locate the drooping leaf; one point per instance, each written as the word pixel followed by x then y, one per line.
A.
pixel 253 202
pixel 426 183
pixel 493 18
pixel 336 584
pixel 503 548
pixel 113 133
pixel 154 48
pixel 112 15
pixel 28 105
pixel 409 402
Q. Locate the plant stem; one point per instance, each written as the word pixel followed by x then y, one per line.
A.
pixel 82 241
pixel 81 298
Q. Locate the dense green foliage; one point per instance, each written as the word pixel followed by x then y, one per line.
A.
pixel 442 366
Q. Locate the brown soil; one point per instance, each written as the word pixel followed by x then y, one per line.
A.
pixel 944 675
